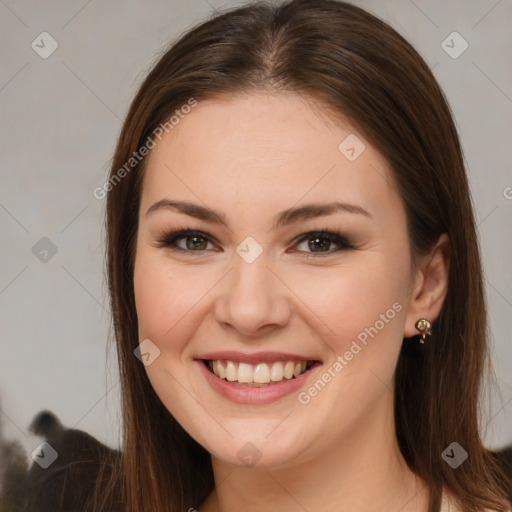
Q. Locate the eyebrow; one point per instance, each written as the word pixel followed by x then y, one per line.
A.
pixel 289 216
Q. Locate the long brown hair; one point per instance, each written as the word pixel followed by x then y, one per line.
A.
pixel 359 68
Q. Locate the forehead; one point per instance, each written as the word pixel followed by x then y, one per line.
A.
pixel 260 151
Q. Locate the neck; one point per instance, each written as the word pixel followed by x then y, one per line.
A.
pixel 363 471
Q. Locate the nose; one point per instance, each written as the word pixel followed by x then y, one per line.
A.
pixel 253 300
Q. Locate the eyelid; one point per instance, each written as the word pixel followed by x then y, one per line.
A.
pixel 329 234
pixel 168 238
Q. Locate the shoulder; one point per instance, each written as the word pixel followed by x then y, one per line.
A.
pixel 81 464
pixel 67 487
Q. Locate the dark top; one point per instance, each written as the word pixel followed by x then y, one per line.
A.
pixel 66 468
pixel 82 462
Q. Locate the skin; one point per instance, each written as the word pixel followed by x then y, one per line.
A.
pixel 250 157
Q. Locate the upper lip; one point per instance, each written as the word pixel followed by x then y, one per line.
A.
pixel 254 358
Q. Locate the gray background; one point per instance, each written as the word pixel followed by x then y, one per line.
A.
pixel 60 117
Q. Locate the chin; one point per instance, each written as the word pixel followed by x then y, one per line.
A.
pixel 257 447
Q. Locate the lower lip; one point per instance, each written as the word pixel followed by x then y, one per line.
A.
pixel 252 395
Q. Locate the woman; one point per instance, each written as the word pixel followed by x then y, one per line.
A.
pixel 295 277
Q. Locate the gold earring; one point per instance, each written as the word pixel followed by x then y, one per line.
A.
pixel 423 325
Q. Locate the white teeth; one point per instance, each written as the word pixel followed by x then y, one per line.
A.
pixel 231 371
pixel 277 372
pixel 245 373
pixel 261 373
pixel 288 369
pixel 221 370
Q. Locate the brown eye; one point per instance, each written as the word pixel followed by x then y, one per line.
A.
pixel 195 241
pixel 319 242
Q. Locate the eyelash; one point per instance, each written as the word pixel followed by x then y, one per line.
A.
pixel 169 239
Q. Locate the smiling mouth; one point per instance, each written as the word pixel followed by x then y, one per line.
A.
pixel 258 375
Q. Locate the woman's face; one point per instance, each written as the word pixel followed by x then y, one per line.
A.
pixel 250 292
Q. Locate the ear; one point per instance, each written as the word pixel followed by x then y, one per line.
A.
pixel 429 287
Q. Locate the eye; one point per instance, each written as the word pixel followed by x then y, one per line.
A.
pixel 319 242
pixel 194 241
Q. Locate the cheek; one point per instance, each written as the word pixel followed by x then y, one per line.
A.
pixel 349 300
pixel 160 299
pixel 364 310
pixel 162 302
pixel 152 298
pixel 169 300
